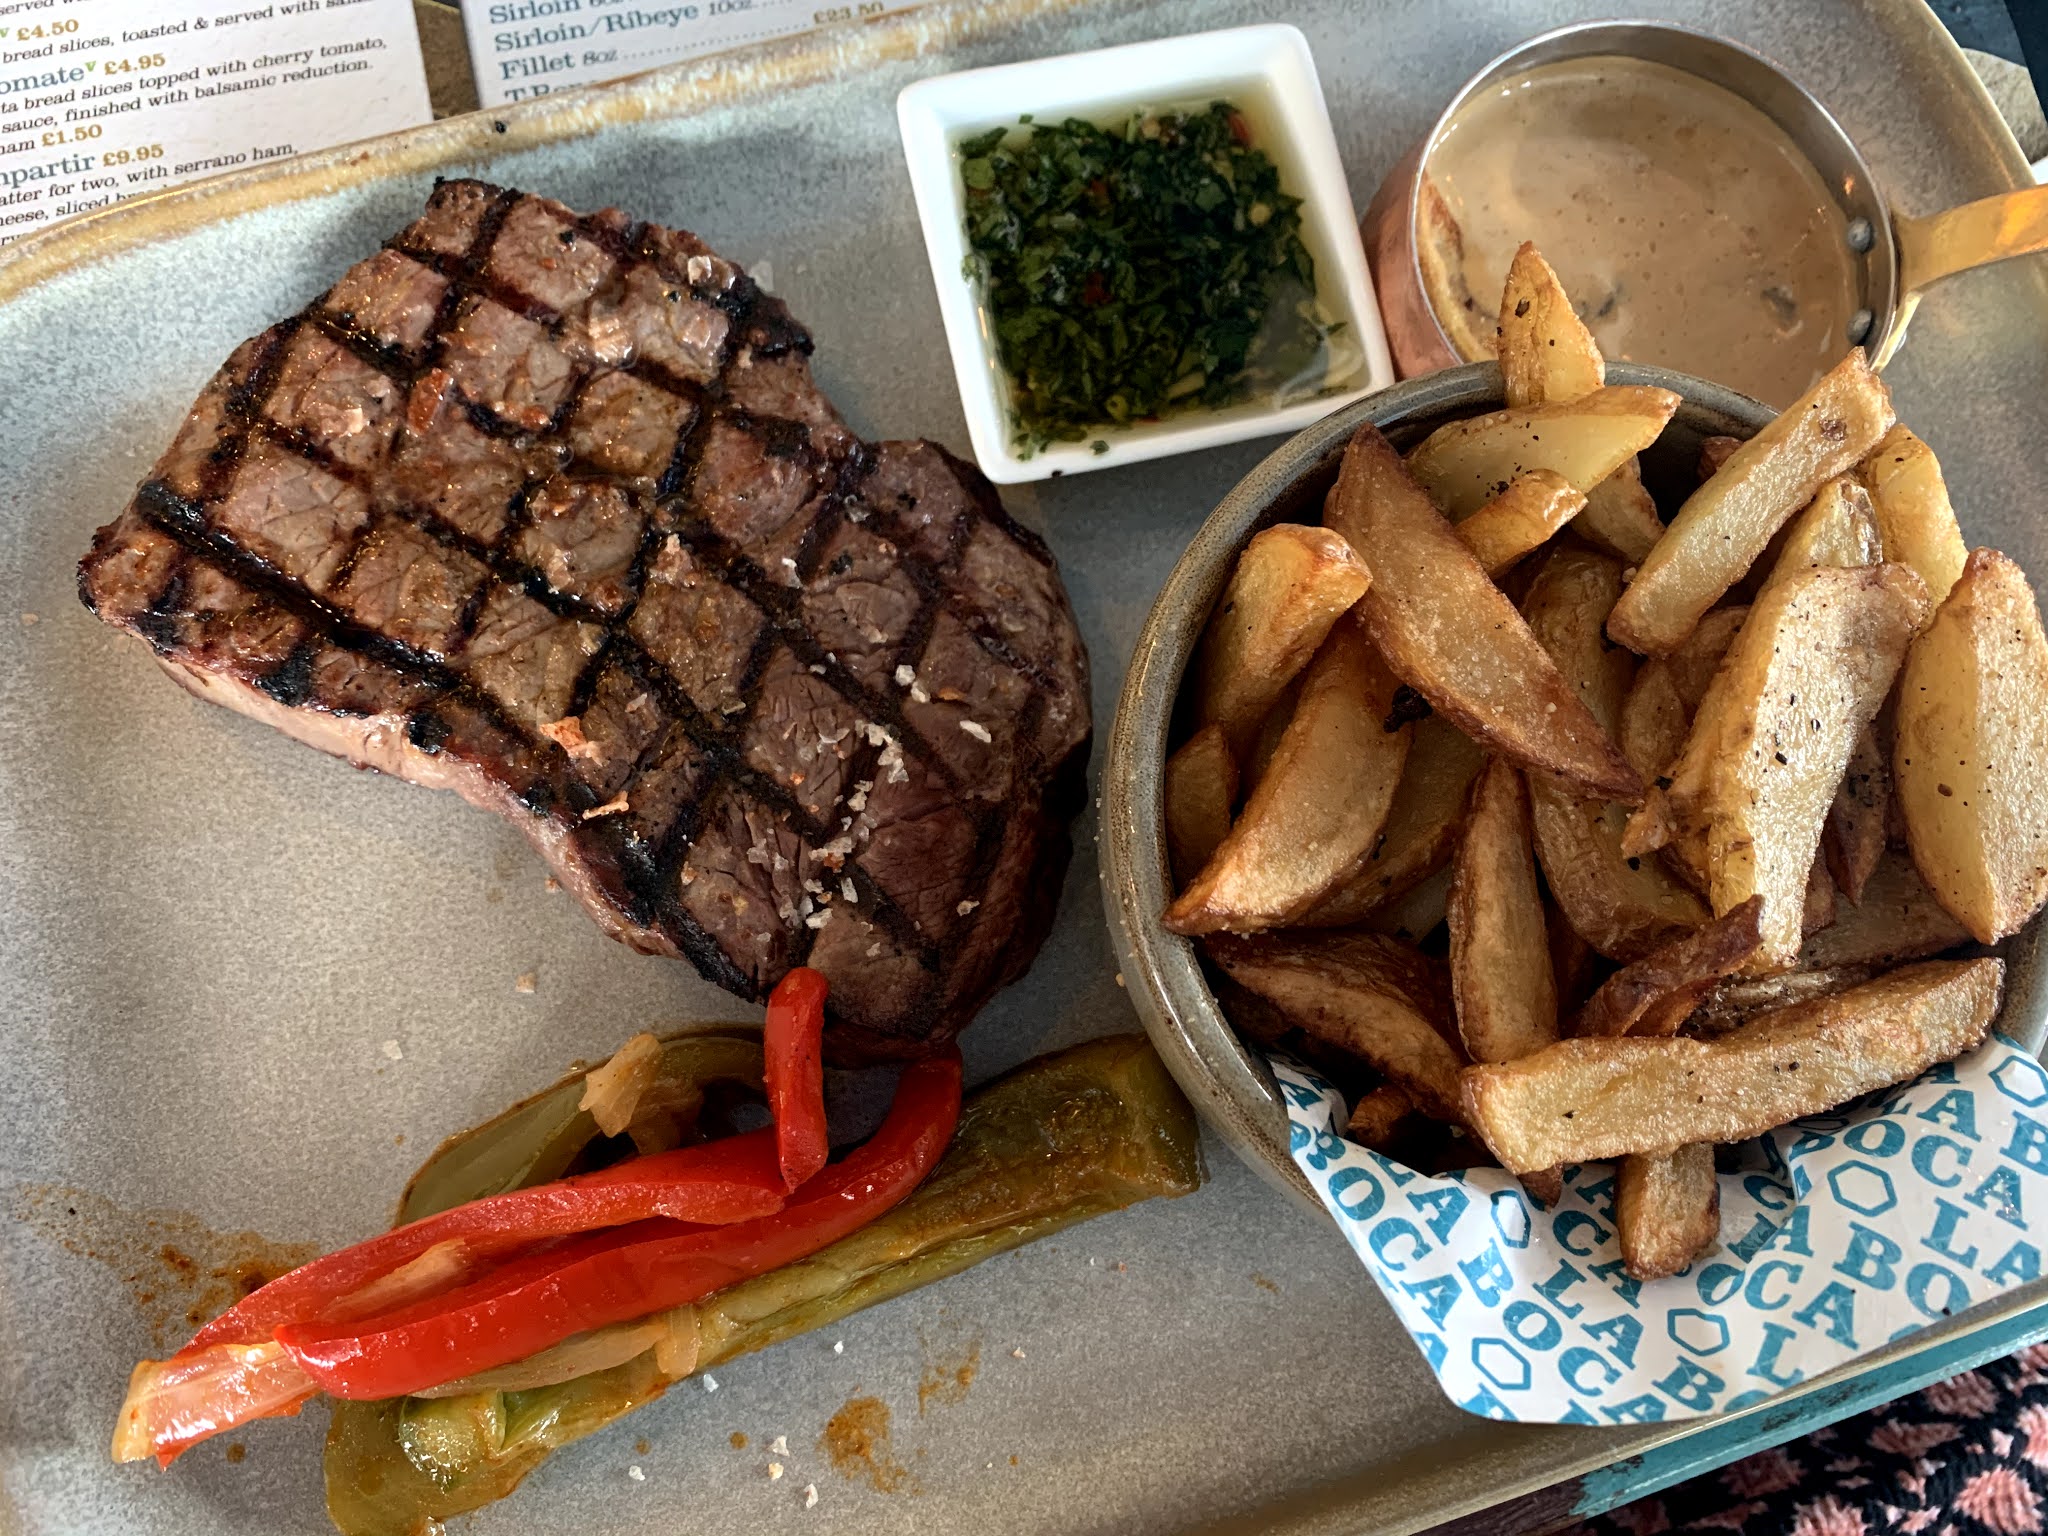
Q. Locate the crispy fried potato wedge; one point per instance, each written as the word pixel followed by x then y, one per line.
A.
pixel 1532 506
pixel 1854 838
pixel 1421 829
pixel 1726 523
pixel 1971 759
pixel 1505 996
pixel 1417 912
pixel 1897 919
pixel 1375 997
pixel 1818 910
pixel 1447 631
pixel 1620 516
pixel 1379 1117
pixel 1657 715
pixel 1585 1099
pixel 1547 355
pixel 1546 352
pixel 1440 253
pixel 1914 516
pixel 1585 440
pixel 1772 738
pixel 1838 527
pixel 1571 958
pixel 1714 452
pixel 1291 584
pixel 1740 999
pixel 1667 1210
pixel 1624 908
pixel 1314 817
pixel 1659 992
pixel 1200 789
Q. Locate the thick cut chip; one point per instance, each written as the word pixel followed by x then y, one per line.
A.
pixel 1667 1210
pixel 1528 510
pixel 1379 1116
pixel 1449 633
pixel 1914 516
pixel 1200 789
pixel 1740 999
pixel 1624 907
pixel 1585 440
pixel 1584 1099
pixel 1772 739
pixel 1375 997
pixel 1854 838
pixel 1291 584
pixel 1506 997
pixel 1657 715
pixel 1838 527
pixel 1897 919
pixel 1726 523
pixel 1657 993
pixel 1547 354
pixel 1971 757
pixel 1318 810
pixel 1421 829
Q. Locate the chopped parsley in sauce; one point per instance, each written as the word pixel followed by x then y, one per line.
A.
pixel 1138 270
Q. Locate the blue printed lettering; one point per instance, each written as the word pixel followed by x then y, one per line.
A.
pixel 1486 1405
pixel 1792 1237
pixel 1936 1290
pixel 1766 1191
pixel 1637 1410
pixel 1836 1303
pixel 2029 1144
pixel 1434 1350
pixel 1531 1325
pixel 2000 1195
pixel 1553 1289
pixel 1437 1295
pixel 1568 1224
pixel 1955 1109
pixel 1691 1386
pixel 1511 1218
pixel 1615 1273
pixel 2022 1264
pixel 1870 1258
pixel 1776 1337
pixel 1927 1148
pixel 1576 1415
pixel 1762 1275
pixel 1620 1334
pixel 1943 1238
pixel 1760 1232
pixel 1488 1275
pixel 1600 1195
pixel 1877 1138
pixel 1366 1203
pixel 1717 1282
pixel 1394 1228
pixel 1447 1203
pixel 1574 1362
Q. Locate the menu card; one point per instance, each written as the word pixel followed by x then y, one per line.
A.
pixel 526 48
pixel 104 99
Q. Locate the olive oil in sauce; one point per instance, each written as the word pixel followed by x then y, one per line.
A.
pixel 1146 263
pixel 1687 227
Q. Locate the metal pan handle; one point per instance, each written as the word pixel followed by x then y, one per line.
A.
pixel 1958 239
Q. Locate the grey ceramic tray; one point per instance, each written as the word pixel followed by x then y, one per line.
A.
pixel 209 934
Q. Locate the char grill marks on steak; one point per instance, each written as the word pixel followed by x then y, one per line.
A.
pixel 546 509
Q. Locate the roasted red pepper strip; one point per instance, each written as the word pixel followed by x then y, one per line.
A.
pixel 795 1073
pixel 736 1178
pixel 531 1303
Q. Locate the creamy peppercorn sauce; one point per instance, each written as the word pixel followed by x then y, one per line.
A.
pixel 1687 227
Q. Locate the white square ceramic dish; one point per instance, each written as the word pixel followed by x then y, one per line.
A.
pixel 1270 64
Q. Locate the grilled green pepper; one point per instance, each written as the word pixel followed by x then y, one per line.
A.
pixel 1068 1136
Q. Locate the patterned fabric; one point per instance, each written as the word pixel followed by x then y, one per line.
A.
pixel 1964 1457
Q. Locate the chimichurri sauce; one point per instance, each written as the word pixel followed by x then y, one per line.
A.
pixel 1137 270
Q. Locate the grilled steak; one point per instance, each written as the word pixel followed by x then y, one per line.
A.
pixel 546 510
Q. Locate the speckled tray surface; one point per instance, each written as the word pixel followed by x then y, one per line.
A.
pixel 209 934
